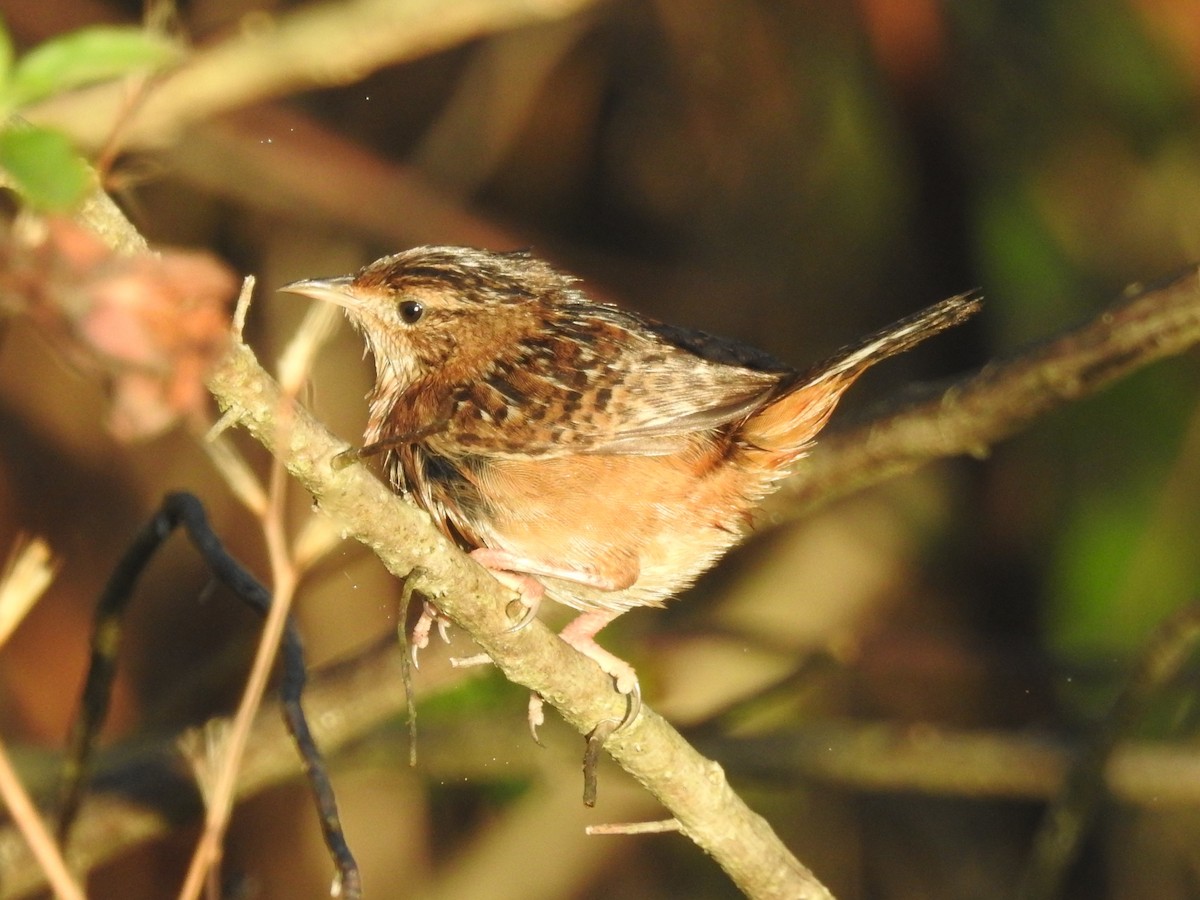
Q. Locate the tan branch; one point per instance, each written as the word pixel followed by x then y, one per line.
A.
pixel 966 419
pixel 405 540
pixel 315 46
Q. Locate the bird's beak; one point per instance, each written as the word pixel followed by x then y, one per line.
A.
pixel 331 290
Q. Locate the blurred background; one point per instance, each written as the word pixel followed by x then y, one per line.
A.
pixel 791 174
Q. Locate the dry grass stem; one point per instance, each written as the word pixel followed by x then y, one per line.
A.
pixel 27 574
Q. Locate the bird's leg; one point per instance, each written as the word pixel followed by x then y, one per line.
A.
pixel 581 633
pixel 508 570
pixel 529 594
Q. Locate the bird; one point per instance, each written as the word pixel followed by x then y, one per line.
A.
pixel 576 449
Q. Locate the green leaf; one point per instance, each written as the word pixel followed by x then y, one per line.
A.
pixel 44 167
pixel 85 56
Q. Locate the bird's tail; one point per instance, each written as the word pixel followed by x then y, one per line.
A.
pixel 781 431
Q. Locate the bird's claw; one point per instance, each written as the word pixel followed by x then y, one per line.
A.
pixel 536 715
pixel 430 616
pixel 530 611
pixel 346 458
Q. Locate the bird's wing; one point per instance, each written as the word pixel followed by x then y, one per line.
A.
pixel 605 381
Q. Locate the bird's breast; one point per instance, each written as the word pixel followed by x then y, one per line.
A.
pixel 644 525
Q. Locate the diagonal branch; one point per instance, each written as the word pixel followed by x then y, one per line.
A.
pixel 406 541
pixel 408 544
pixel 1146 324
pixel 966 418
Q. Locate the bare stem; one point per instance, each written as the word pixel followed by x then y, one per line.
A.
pixel 27 818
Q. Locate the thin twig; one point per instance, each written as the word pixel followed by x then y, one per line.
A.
pixel 294 366
pixel 184 510
pixel 408 662
pixel 27 818
pixel 1066 821
pixel 239 477
pixel 219 800
pixel 660 827
pixel 26 576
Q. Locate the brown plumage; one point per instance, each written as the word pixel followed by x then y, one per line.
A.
pixel 607 457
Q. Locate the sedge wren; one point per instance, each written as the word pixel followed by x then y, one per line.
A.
pixel 577 449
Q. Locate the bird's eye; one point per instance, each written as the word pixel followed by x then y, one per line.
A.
pixel 411 311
